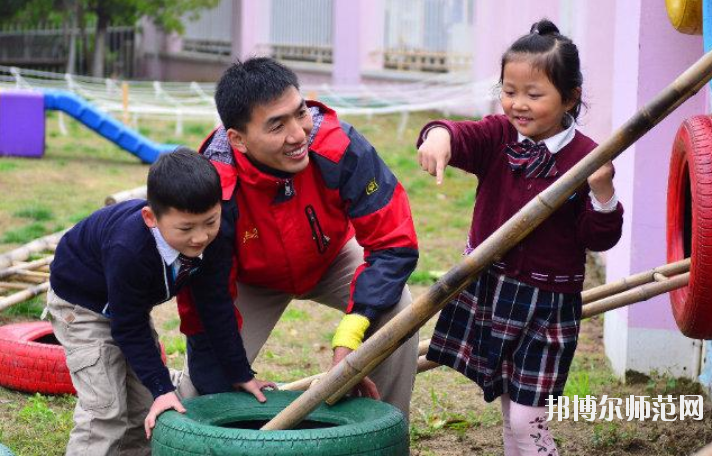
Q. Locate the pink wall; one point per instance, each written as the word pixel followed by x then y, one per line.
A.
pixel 649 55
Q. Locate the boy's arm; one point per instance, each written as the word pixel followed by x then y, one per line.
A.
pixel 215 304
pixel 130 320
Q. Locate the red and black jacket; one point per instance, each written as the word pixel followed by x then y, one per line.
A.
pixel 288 230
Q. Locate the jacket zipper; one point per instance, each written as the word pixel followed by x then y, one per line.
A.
pixel 321 239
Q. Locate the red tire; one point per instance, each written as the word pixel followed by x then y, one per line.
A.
pixel 689 224
pixel 32 360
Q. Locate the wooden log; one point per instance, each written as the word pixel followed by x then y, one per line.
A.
pixel 134 193
pixel 35 274
pixel 37 264
pixel 16 285
pixel 48 242
pixel 383 342
pixel 23 295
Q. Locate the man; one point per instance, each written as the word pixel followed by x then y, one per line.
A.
pixel 318 216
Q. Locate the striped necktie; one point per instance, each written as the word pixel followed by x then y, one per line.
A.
pixel 187 266
pixel 534 160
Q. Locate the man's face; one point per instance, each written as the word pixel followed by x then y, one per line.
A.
pixel 277 133
pixel 188 233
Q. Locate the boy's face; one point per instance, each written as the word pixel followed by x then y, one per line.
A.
pixel 188 233
pixel 277 134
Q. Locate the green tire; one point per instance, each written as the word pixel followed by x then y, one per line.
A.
pixel 216 424
pixel 5 451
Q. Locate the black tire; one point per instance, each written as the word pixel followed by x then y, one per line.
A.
pixel 358 427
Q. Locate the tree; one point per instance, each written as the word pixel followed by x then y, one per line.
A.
pixel 166 14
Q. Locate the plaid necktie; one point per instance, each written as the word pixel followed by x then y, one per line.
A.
pixel 534 159
pixel 187 266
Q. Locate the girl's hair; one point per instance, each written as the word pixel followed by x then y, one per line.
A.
pixel 554 54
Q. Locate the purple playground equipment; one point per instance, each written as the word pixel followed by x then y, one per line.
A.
pixel 22 124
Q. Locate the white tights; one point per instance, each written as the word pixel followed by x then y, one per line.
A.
pixel 525 430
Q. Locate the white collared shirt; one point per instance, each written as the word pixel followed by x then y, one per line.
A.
pixel 559 141
pixel 168 253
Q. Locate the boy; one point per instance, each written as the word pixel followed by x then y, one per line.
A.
pixel 321 217
pixel 109 271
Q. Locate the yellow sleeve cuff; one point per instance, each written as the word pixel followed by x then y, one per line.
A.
pixel 350 331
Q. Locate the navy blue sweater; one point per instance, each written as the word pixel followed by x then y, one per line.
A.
pixel 109 263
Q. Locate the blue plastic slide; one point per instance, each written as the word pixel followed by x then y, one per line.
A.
pixel 108 127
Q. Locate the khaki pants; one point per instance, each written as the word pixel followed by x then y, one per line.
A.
pixel 112 402
pixel 262 308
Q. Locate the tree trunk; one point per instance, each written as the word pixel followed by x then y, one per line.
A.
pixel 74 9
pixel 102 24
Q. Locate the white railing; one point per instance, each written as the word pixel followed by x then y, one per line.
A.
pixel 180 101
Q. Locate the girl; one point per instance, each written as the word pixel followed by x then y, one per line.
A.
pixel 514 330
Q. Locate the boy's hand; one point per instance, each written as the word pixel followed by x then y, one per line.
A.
pixel 601 183
pixel 434 154
pixel 161 404
pixel 365 388
pixel 255 386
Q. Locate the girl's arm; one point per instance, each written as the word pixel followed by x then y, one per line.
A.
pixel 467 145
pixel 599 229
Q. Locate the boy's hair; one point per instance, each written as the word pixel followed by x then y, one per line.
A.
pixel 554 54
pixel 250 83
pixel 183 180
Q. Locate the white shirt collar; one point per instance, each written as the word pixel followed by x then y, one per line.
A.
pixel 559 140
pixel 168 253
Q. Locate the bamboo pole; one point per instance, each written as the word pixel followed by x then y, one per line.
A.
pixel 134 193
pixel 16 285
pixel 25 267
pixel 638 294
pixel 34 274
pixel 48 242
pixel 23 295
pixel 635 280
pixel 641 293
pixel 383 342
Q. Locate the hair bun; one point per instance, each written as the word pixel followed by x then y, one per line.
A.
pixel 544 27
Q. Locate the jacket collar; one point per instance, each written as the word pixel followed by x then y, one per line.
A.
pixel 330 142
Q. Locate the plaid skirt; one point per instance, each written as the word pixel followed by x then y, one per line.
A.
pixel 509 337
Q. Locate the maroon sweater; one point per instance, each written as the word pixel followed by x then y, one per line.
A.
pixel 553 256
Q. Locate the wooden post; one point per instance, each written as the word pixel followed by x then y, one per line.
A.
pixel 385 341
pixel 125 102
pixel 23 295
pixel 134 193
pixel 26 267
pixel 38 245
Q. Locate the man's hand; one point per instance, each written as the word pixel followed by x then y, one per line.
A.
pixel 255 387
pixel 366 388
pixel 161 404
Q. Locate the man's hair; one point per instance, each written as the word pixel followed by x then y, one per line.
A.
pixel 250 83
pixel 183 180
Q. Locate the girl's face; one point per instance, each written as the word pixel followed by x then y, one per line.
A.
pixel 531 102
